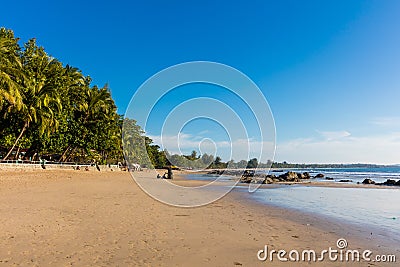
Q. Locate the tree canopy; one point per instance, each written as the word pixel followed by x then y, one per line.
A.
pixel 47 108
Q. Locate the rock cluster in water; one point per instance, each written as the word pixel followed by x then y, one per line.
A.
pixel 387 182
pixel 250 176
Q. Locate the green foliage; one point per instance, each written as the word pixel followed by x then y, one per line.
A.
pixel 48 108
pixel 252 164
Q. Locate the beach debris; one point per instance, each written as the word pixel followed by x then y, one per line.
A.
pixel 319 175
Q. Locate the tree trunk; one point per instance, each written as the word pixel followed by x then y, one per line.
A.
pixel 16 154
pixel 70 153
pixel 63 158
pixel 16 141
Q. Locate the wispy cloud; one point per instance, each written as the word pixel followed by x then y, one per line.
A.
pixel 333 147
pixel 236 149
pixel 386 121
pixel 382 149
pixel 334 135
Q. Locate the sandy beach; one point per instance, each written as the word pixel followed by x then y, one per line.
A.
pixel 66 217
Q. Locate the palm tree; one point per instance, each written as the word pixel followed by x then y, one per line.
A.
pixel 39 91
pixel 10 70
pixel 93 107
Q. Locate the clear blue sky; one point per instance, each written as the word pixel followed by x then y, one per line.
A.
pixel 330 70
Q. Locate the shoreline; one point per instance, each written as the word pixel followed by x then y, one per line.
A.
pixel 103 218
pixel 363 233
pixel 240 192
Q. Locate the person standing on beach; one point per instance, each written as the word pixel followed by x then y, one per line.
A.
pixel 169 174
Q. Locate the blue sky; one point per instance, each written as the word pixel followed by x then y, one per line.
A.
pixel 329 69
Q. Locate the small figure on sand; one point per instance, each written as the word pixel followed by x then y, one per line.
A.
pixel 170 175
pixel 166 175
pixel 42 163
pixel 97 166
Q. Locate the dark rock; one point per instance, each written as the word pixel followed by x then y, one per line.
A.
pixel 368 181
pixel 319 175
pixel 268 180
pixel 300 176
pixel 246 180
pixel 329 178
pixel 289 176
pixel 248 173
pixel 389 182
pixel 397 183
pixel 304 175
pixel 257 180
pixel 345 181
pixel 261 175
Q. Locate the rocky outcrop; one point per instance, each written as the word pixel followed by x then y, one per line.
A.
pixel 368 181
pixel 389 182
pixel 251 176
pixel 290 177
pixel 304 175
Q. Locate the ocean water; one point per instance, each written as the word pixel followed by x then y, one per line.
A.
pixel 378 208
pixel 375 207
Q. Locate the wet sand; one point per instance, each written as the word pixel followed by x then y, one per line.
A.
pixel 66 217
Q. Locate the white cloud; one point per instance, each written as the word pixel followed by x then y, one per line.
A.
pixel 237 149
pixel 334 135
pixel 334 147
pixel 386 121
pixel 383 149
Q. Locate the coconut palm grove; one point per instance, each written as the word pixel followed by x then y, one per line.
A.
pixel 51 110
